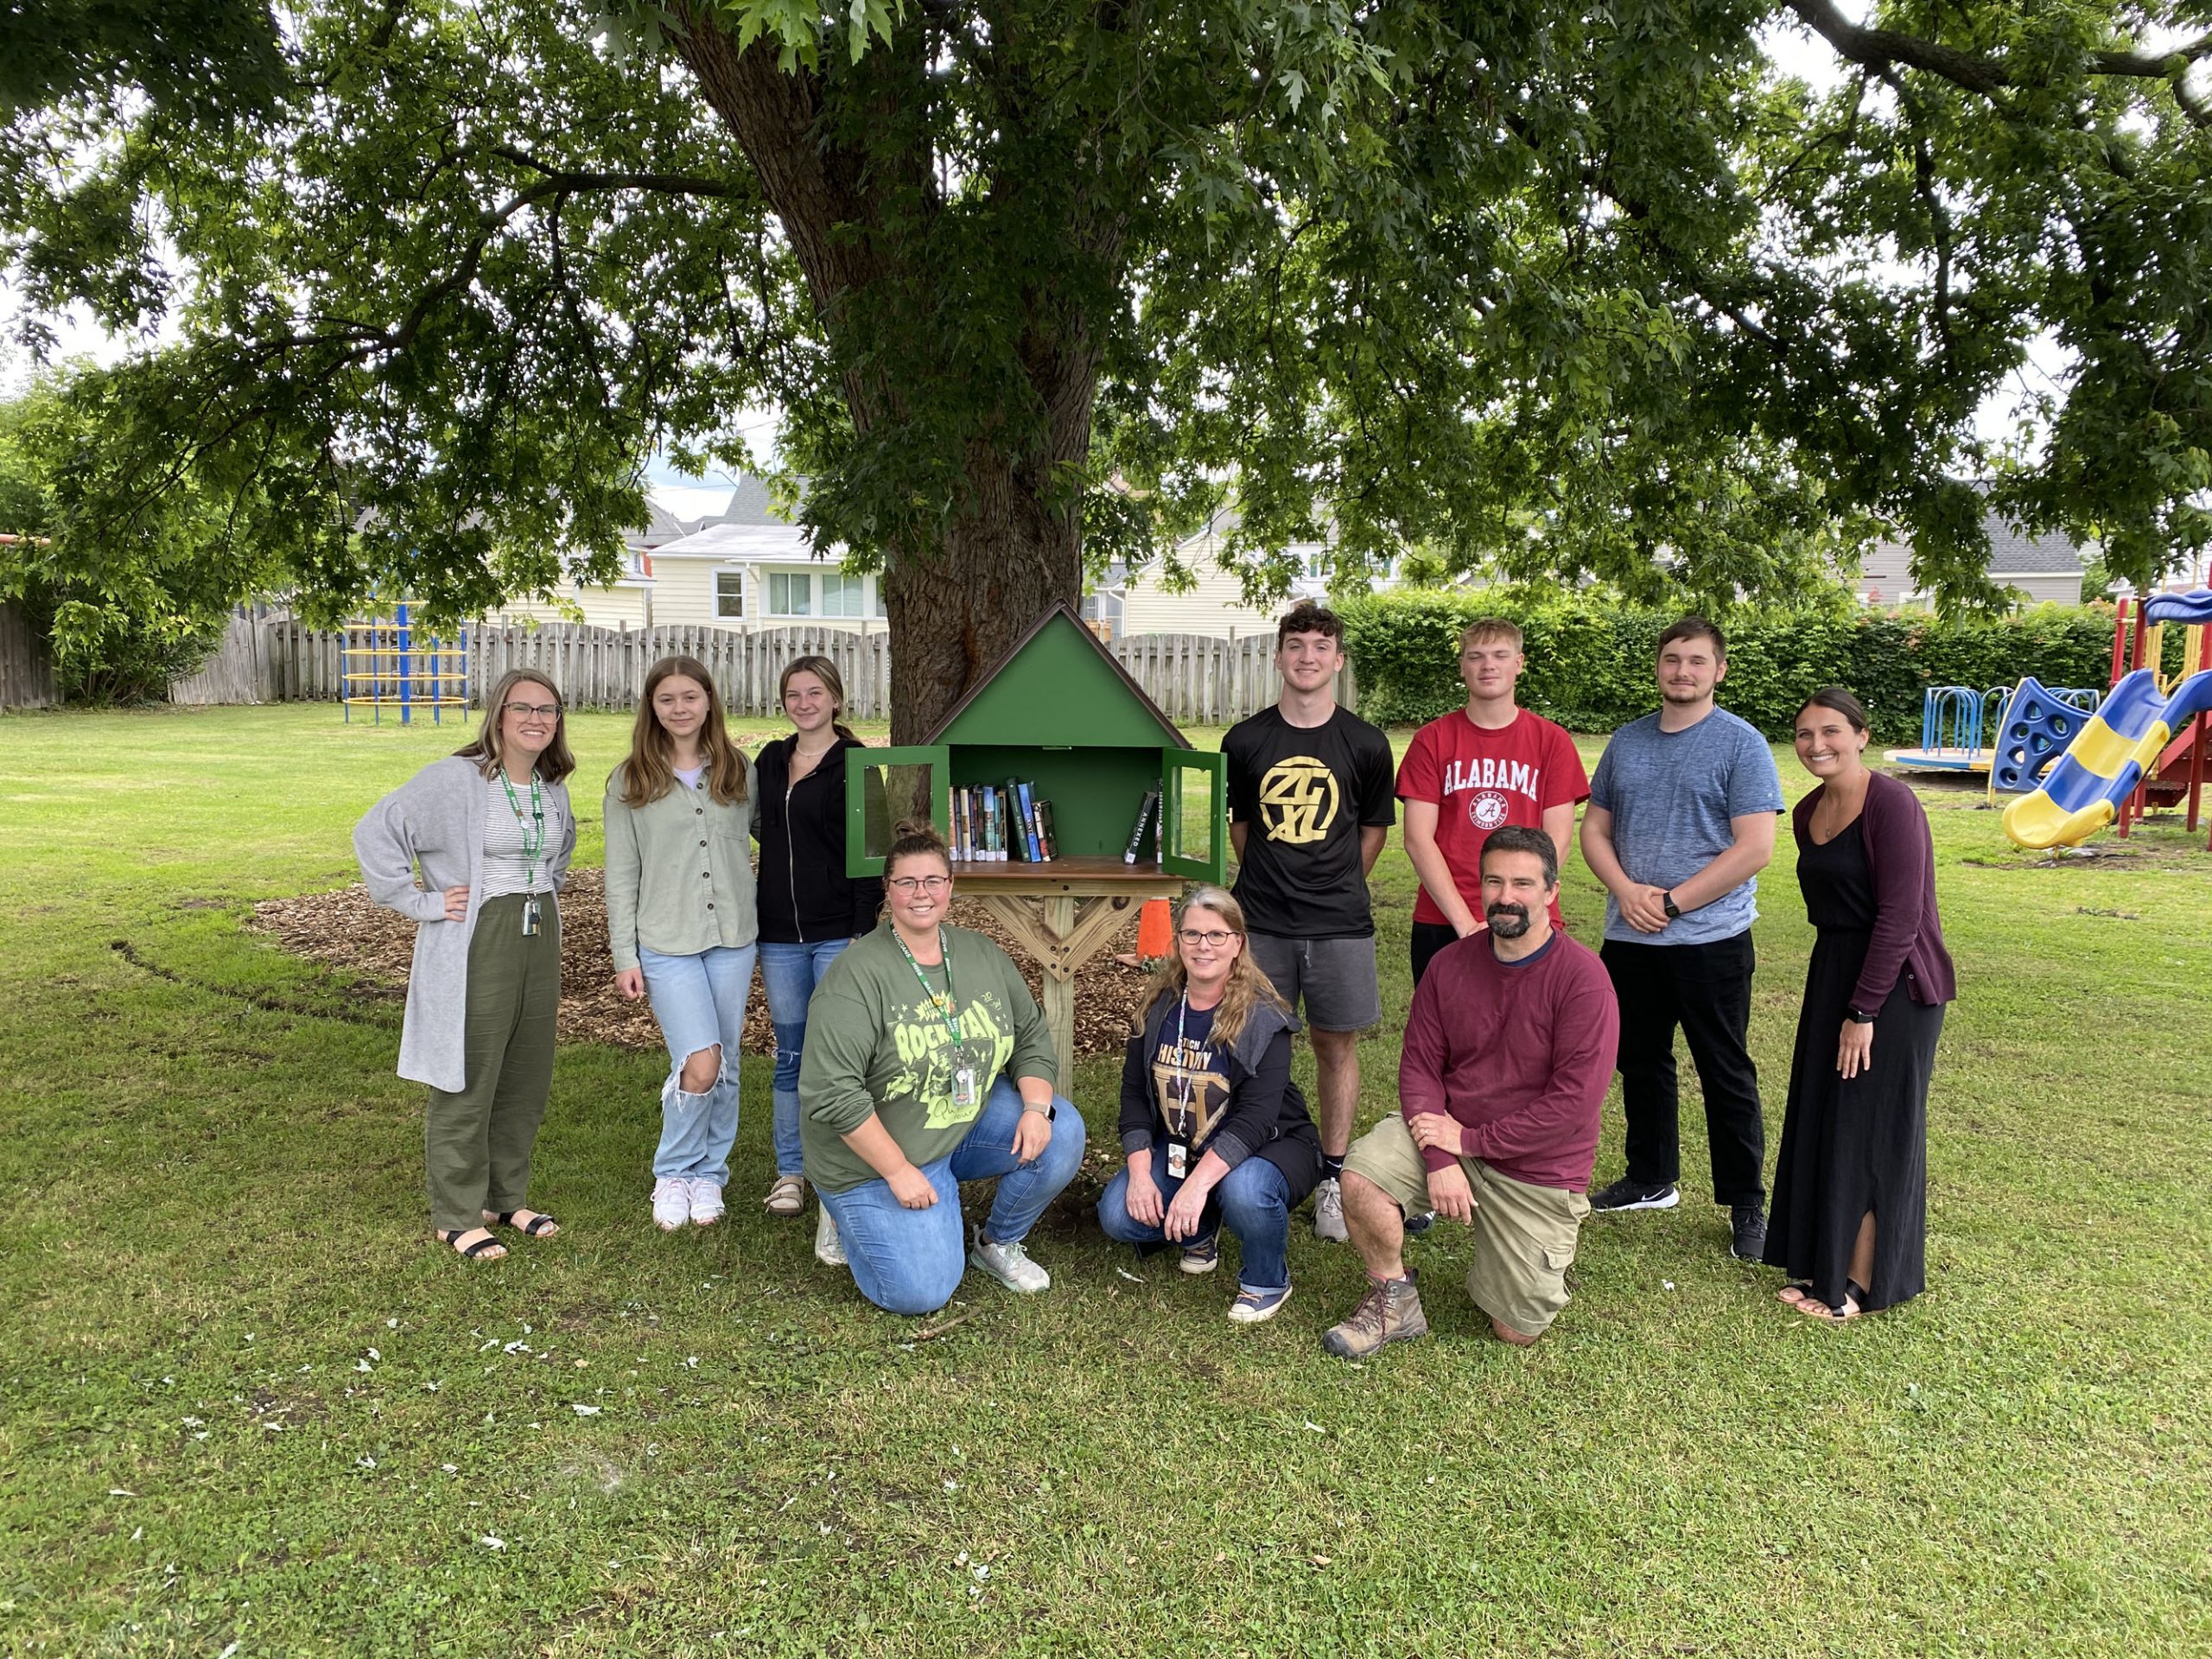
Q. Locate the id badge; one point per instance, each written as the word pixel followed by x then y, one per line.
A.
pixel 1178 1160
pixel 963 1087
pixel 529 915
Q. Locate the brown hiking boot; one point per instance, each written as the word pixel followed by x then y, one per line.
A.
pixel 1387 1312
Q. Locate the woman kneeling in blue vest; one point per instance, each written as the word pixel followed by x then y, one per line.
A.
pixel 1216 1133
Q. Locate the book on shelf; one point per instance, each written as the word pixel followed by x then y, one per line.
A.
pixel 1136 834
pixel 1044 829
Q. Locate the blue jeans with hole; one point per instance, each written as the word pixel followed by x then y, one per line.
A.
pixel 1253 1201
pixel 789 973
pixel 700 1003
pixel 910 1261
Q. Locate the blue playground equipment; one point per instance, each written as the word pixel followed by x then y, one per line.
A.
pixel 386 666
pixel 1953 719
pixel 2037 723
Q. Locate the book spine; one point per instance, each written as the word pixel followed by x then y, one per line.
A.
pixel 1045 836
pixel 1029 824
pixel 1137 835
pixel 1017 840
pixel 960 824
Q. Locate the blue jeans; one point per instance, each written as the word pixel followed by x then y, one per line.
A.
pixel 1253 1201
pixel 790 973
pixel 910 1261
pixel 699 1002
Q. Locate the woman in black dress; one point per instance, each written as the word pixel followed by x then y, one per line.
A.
pixel 1850 1218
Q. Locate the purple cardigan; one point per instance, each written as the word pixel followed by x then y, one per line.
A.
pixel 1908 932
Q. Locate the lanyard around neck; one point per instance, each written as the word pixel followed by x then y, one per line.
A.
pixel 533 835
pixel 941 1001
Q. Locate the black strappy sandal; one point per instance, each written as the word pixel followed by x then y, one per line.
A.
pixel 470 1252
pixel 540 1224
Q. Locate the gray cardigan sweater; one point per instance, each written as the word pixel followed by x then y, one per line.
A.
pixel 679 871
pixel 436 819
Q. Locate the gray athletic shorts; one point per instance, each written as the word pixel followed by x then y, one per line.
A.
pixel 1333 979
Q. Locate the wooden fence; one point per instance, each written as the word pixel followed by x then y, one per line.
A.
pixel 26 664
pixel 1194 678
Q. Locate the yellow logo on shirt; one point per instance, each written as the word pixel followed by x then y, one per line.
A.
pixel 1297 800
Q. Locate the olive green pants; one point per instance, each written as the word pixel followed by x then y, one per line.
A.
pixel 477 1142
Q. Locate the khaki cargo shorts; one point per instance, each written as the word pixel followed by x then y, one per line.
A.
pixel 1524 1235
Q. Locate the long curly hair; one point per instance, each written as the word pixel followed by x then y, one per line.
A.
pixel 1248 986
pixel 650 772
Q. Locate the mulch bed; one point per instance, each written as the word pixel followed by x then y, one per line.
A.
pixel 344 930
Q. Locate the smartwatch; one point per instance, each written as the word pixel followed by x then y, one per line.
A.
pixel 1857 1016
pixel 1674 910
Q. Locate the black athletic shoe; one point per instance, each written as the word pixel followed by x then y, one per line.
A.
pixel 1625 1194
pixel 1747 1228
pixel 1416 1225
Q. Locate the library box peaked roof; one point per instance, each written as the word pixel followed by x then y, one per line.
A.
pixel 1058 687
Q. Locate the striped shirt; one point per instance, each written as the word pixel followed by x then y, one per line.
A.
pixel 505 869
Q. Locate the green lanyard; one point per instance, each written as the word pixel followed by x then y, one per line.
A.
pixel 533 835
pixel 942 1002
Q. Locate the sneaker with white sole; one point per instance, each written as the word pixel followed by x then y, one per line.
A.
pixel 1010 1265
pixel 706 1202
pixel 1625 1194
pixel 1329 1211
pixel 671 1203
pixel 1257 1307
pixel 1203 1256
pixel 829 1250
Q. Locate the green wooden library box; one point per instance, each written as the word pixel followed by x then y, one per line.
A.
pixel 1060 719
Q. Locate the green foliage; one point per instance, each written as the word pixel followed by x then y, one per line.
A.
pixel 128 604
pixel 1590 664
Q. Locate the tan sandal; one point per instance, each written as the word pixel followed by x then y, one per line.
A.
pixel 787 1197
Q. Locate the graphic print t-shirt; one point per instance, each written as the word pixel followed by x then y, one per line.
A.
pixel 1304 792
pixel 1191 1093
pixel 1479 779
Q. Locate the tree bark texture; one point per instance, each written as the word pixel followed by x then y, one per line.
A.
pixel 1011 549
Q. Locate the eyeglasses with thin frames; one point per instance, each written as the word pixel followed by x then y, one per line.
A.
pixel 543 710
pixel 912 884
pixel 1215 937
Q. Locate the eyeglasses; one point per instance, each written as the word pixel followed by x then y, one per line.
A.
pixel 912 884
pixel 543 710
pixel 1217 937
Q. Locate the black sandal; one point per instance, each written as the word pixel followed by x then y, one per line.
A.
pixel 539 1225
pixel 469 1252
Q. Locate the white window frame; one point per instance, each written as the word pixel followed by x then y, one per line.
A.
pixel 737 575
pixel 785 578
pixel 851 594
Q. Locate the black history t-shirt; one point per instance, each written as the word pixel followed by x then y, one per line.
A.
pixel 1303 792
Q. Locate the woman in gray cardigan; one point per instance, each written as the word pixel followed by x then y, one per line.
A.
pixel 490 830
pixel 680 921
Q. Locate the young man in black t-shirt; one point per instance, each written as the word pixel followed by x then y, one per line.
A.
pixel 1310 805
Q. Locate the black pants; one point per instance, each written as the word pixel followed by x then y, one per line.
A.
pixel 1706 990
pixel 1429 938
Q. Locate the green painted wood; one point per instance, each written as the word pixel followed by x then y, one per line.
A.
pixel 1059 688
pixel 1195 814
pixel 867 811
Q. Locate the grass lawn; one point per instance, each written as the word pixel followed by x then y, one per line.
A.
pixel 246 1407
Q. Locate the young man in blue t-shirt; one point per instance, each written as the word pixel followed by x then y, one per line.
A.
pixel 1681 821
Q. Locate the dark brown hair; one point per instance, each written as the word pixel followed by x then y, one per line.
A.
pixel 554 761
pixel 1840 699
pixel 1307 617
pixel 832 682
pixel 1695 628
pixel 1524 838
pixel 916 838
pixel 650 772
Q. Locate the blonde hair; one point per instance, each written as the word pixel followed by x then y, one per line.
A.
pixel 650 772
pixel 1486 628
pixel 1248 986
pixel 488 750
pixel 832 682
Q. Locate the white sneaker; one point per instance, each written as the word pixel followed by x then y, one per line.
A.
pixel 1329 1211
pixel 706 1201
pixel 671 1203
pixel 1010 1265
pixel 828 1250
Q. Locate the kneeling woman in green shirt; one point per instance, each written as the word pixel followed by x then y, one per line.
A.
pixel 927 1065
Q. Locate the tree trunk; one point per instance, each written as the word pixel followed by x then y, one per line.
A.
pixel 954 608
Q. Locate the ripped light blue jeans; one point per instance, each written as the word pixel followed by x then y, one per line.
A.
pixel 699 1002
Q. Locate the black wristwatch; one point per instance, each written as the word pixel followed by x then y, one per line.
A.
pixel 1857 1016
pixel 1674 910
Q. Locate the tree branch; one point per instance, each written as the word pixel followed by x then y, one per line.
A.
pixel 1879 48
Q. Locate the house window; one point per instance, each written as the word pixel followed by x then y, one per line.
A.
pixel 882 606
pixel 841 596
pixel 789 594
pixel 729 593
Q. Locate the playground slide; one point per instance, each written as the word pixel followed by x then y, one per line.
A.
pixel 2100 769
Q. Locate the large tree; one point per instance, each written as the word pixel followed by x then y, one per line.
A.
pixel 1566 290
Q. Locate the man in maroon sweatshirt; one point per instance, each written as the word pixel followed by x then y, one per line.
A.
pixel 1509 1050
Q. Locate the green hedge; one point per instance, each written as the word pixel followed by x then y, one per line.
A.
pixel 1590 665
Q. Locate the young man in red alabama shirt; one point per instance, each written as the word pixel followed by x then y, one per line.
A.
pixel 1509 1050
pixel 1474 770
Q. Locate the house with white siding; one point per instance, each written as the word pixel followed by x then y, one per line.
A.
pixel 1128 603
pixel 749 567
pixel 2046 568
